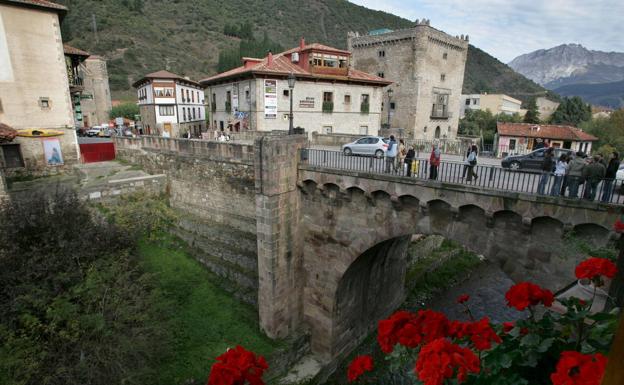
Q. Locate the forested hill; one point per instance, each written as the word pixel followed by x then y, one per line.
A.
pixel 186 36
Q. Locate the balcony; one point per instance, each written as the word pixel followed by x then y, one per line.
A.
pixel 439 111
pixel 76 84
pixel 328 106
pixel 364 108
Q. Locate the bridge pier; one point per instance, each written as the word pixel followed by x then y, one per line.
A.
pixel 280 246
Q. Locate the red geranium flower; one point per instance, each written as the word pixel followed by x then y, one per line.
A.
pixel 411 330
pixel 236 366
pixel 440 359
pixel 388 329
pixel 359 366
pixel 525 294
pixel 508 326
pixel 575 368
pixel 463 298
pixel 482 335
pixel 593 267
pixel 618 226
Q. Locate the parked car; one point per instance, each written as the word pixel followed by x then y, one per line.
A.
pixel 531 161
pixel 105 133
pixel 369 145
pixel 93 131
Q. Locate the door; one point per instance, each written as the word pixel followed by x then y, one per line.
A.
pixel 167 127
pixel 362 146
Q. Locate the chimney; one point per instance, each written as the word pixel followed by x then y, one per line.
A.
pixel 301 43
pixel 270 58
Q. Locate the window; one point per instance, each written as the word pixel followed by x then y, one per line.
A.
pixel 512 144
pixel 193 97
pixel 12 155
pixel 330 61
pixel 328 101
pixel 442 77
pixel 221 125
pixel 327 129
pixel 161 92
pixel 286 93
pixel 444 55
pixel 475 101
pixel 440 106
pixel 166 111
pixel 364 105
pixel 342 62
pixel 188 99
pixel 168 92
pixel 363 130
pixel 213 104
pixel 247 95
pixel 380 74
pixel 392 106
pixel 362 141
pixel 381 53
pixel 467 102
pixel 183 113
pixel 193 113
pixel 228 101
pixel 44 103
pixel 437 132
pixel 347 99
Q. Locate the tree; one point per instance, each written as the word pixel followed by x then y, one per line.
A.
pixel 609 131
pixel 532 114
pixel 126 110
pixel 571 111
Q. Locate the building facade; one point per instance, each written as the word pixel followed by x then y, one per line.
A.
pixel 96 97
pixel 34 87
pixel 329 96
pixel 496 103
pixel 522 138
pixel 171 105
pixel 427 68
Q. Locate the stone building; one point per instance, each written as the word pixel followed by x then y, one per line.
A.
pixel 96 101
pixel 545 107
pixel 34 86
pixel 170 103
pixel 329 95
pixel 427 68
pixel 496 103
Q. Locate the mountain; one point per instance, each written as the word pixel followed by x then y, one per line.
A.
pixel 186 36
pixel 571 69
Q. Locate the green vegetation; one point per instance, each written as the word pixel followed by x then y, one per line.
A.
pixel 248 47
pixel 126 110
pixel 138 37
pixel 483 123
pixel 571 111
pixel 532 114
pixel 610 132
pixel 89 301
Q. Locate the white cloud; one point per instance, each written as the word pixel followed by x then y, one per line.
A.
pixel 508 28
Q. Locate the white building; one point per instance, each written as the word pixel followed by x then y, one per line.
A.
pixel 496 103
pixel 172 104
pixel 522 138
pixel 329 95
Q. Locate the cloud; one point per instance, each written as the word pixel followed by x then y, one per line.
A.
pixel 508 28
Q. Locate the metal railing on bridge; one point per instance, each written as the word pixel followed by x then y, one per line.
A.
pixel 487 177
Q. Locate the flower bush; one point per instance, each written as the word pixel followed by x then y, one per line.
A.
pixel 555 348
pixel 238 366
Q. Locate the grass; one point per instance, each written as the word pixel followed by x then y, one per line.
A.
pixel 204 319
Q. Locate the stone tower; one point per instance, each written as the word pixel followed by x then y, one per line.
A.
pixel 96 107
pixel 427 68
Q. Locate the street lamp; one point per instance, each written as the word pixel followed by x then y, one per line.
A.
pixel 389 98
pixel 291 84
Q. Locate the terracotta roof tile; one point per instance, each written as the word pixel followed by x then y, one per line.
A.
pixel 68 49
pixel 163 74
pixel 40 3
pixel 282 65
pixel 546 131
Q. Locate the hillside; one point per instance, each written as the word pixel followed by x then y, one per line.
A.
pixel 601 94
pixel 186 36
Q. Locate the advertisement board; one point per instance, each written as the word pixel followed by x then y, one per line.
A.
pixel 270 98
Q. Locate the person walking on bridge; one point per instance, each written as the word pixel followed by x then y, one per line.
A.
pixel 611 173
pixel 548 165
pixel 471 162
pixel 593 173
pixel 560 171
pixel 434 162
pixel 409 158
pixel 391 154
pixel 575 174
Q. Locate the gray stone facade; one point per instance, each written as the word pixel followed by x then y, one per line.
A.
pixel 427 68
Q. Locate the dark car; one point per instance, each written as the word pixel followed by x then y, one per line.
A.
pixel 531 161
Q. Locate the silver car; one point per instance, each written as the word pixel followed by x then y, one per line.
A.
pixel 369 145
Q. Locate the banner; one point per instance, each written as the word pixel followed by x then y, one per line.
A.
pixel 270 99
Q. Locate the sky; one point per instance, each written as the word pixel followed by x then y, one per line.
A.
pixel 508 28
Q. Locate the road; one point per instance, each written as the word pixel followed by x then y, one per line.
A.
pixel 86 139
pixel 490 175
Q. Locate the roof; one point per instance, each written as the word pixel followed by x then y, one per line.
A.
pixel 69 50
pixel 39 4
pixel 281 65
pixel 163 74
pixel 546 131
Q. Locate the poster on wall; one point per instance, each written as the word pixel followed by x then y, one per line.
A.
pixel 270 99
pixel 52 152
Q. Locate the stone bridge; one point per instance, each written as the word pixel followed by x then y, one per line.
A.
pixel 331 245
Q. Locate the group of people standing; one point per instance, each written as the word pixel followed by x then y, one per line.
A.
pixel 397 156
pixel 579 172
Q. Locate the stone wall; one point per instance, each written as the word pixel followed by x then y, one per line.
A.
pixel 211 185
pixel 334 140
pixel 114 189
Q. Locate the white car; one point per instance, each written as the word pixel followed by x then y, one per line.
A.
pixel 369 145
pixel 93 131
pixel 620 173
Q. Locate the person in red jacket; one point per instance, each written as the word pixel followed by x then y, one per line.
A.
pixel 434 162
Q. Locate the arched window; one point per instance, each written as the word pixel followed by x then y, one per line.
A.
pixel 437 132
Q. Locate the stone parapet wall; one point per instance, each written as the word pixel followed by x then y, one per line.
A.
pixel 241 135
pixel 333 139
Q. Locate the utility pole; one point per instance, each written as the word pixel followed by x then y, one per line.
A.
pixel 94 26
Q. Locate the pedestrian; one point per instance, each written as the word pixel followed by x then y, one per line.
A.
pixel 468 150
pixel 471 162
pixel 610 174
pixel 560 171
pixel 546 168
pixel 409 158
pixel 539 144
pixel 593 173
pixel 564 184
pixel 401 156
pixel 434 162
pixel 391 153
pixel 575 174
